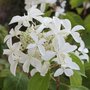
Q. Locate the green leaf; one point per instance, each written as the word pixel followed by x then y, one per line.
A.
pixel 76 79
pixel 48 13
pixel 79 10
pixel 74 18
pixel 3 33
pixel 38 82
pixel 76 3
pixel 79 88
pixel 86 38
pixel 15 83
pixel 87 23
pixel 86 81
pixel 87 65
pixel 78 61
pixel 5 73
pixel 1 83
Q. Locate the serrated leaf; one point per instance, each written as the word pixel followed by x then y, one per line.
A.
pixel 15 83
pixel 38 82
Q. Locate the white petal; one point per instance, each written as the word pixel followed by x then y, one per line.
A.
pixel 73 65
pixel 82 47
pixel 44 68
pixel 34 36
pixel 42 7
pixel 26 23
pixel 15 19
pixel 56 60
pixel 67 24
pixel 49 33
pixel 26 66
pixel 7 37
pixel 48 55
pixel 10 58
pixel 36 63
pixel 9 43
pixel 68 72
pixel 57 23
pixel 40 29
pixel 58 72
pixel 78 27
pixel 22 57
pixel 61 41
pixel 42 41
pixel 41 49
pixel 12 32
pixel 13 67
pixel 31 46
pixel 50 1
pixel 69 48
pixel 17 45
pixel 84 57
pixel 34 12
pixel 76 36
pixel 33 72
pixel 6 51
pixel 55 44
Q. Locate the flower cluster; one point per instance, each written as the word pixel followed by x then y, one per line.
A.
pixel 58 5
pixel 43 44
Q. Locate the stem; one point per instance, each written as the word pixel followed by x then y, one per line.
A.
pixel 57 83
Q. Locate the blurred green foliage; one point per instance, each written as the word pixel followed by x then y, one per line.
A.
pixel 3 33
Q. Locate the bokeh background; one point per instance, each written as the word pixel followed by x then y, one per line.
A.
pixel 78 13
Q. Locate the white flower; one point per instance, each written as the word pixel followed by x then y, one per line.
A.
pixel 67 68
pixel 55 27
pixel 44 23
pixel 31 60
pixel 67 25
pixel 43 70
pixel 12 49
pixel 33 12
pixel 13 33
pixel 15 56
pixel 44 43
pixel 60 9
pixel 60 71
pixel 61 46
pixel 63 58
pixel 42 3
pixel 48 55
pixel 82 47
pixel 24 20
pixel 38 43
pixel 82 56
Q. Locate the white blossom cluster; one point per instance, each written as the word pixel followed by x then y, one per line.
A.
pixel 43 44
pixel 58 9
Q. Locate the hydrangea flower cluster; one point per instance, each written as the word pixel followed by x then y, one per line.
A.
pixel 43 44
